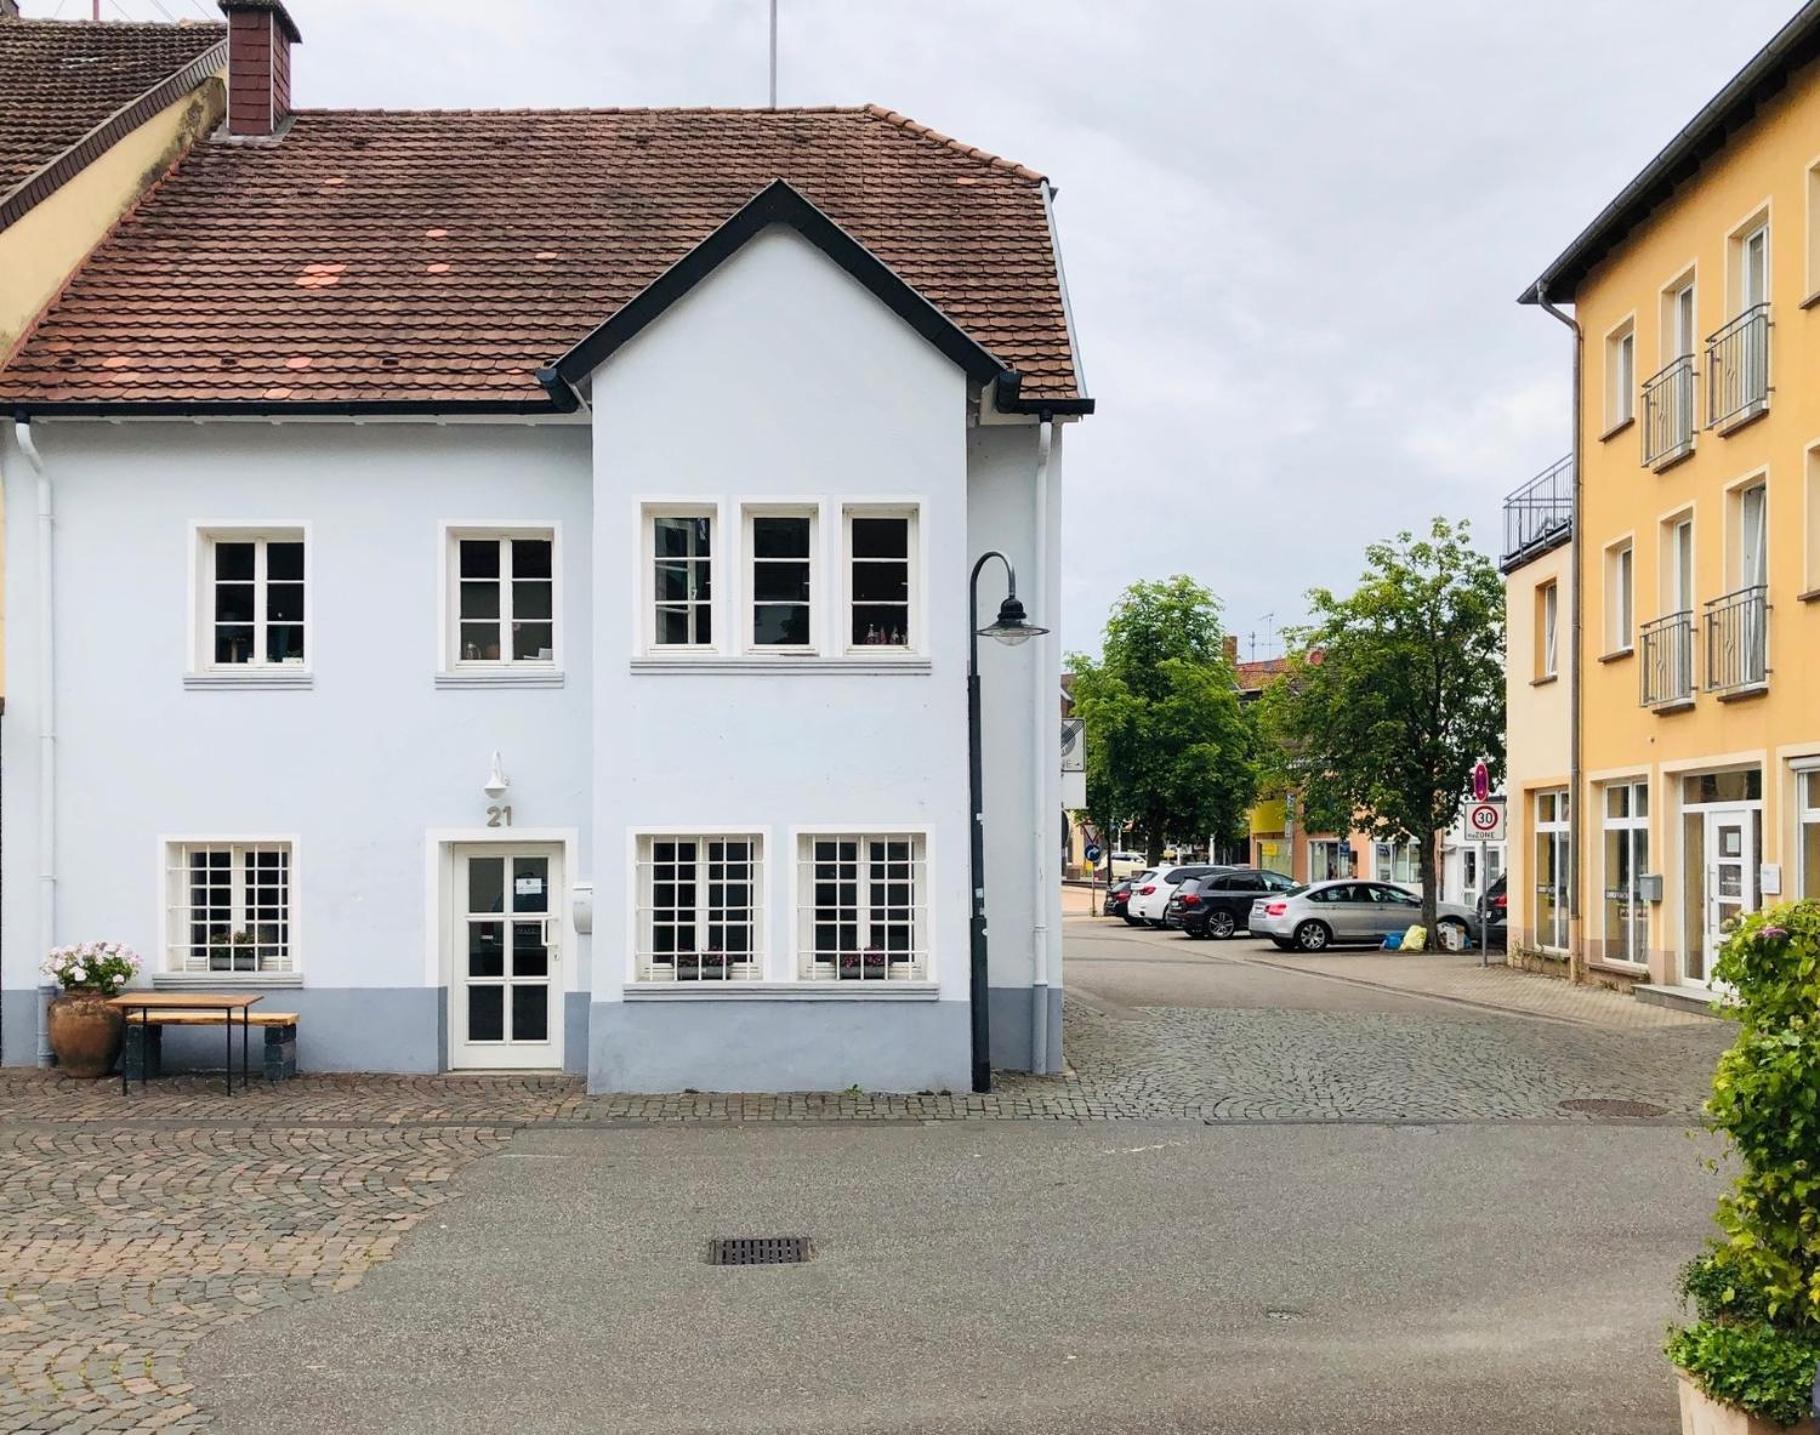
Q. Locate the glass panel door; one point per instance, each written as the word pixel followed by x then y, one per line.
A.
pixel 1731 861
pixel 504 994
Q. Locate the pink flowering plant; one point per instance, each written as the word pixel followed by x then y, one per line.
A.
pixel 103 967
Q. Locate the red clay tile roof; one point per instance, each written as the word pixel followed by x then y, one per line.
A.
pixel 442 258
pixel 59 79
pixel 1257 672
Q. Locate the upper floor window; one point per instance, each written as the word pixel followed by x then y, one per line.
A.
pixel 228 907
pixel 504 603
pixel 1680 326
pixel 1620 596
pixel 1621 375
pixel 1548 613
pixel 681 549
pixel 254 598
pixel 882 587
pixel 781 585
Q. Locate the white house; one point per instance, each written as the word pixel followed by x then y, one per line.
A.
pixel 496 584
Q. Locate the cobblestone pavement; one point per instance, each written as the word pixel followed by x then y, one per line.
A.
pixel 131 1226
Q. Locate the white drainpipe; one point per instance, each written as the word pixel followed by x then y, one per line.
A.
pixel 47 730
pixel 1047 723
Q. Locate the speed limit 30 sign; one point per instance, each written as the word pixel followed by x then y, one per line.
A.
pixel 1485 821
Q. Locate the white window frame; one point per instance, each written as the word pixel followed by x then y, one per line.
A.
pixel 174 909
pixel 1630 825
pixel 818 586
pixel 1678 341
pixel 1621 375
pixel 645 968
pixel 1387 856
pixel 1549 664
pixel 204 536
pixel 1807 820
pixel 1739 556
pixel 917 643
pixel 454 670
pixel 1738 262
pixel 920 966
pixel 650 511
pixel 1621 596
pixel 1558 831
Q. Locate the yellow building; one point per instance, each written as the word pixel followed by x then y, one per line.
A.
pixel 91 115
pixel 1671 651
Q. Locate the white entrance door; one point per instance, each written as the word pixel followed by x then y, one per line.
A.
pixel 1731 863
pixel 505 986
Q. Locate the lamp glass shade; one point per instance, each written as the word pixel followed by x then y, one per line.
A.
pixel 1011 627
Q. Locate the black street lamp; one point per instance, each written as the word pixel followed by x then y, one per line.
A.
pixel 1011 627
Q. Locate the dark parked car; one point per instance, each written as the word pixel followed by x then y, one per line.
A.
pixel 1219 904
pixel 1494 910
pixel 1118 899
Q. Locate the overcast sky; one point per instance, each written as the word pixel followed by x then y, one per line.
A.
pixel 1293 232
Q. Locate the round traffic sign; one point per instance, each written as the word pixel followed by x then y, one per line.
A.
pixel 1093 853
pixel 1484 818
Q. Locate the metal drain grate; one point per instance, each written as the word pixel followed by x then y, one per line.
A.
pixel 1605 1106
pixel 758 1251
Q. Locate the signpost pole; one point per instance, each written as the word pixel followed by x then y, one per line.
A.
pixel 1484 905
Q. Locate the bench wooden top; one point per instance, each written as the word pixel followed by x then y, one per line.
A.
pixel 209 1018
pixel 181 1001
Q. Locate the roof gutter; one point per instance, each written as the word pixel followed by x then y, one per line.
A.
pixel 1705 134
pixel 300 408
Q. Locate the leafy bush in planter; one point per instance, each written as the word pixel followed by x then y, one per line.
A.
pixel 1757 1290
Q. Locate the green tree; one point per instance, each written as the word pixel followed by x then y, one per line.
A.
pixel 1395 691
pixel 1169 748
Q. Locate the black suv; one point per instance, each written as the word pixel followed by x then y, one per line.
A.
pixel 1219 904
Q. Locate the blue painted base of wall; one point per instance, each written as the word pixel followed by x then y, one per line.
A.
pixel 575 1033
pixel 398 1029
pixel 19 1026
pixel 1012 1012
pixel 746 1045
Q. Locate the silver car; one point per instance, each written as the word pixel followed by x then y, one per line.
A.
pixel 1326 914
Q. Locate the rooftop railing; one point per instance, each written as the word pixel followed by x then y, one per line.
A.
pixel 1539 515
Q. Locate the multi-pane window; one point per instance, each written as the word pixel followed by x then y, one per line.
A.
pixel 682 594
pixel 781 574
pixel 505 598
pixel 1808 808
pixel 255 600
pixel 1397 861
pixel 1551 909
pixel 699 913
pixel 1626 860
pixel 862 915
pixel 881 569
pixel 228 907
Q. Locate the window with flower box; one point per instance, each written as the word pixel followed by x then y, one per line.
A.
pixel 229 907
pixel 700 907
pixel 863 907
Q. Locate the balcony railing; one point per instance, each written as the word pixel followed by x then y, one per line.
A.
pixel 1666 648
pixel 1539 515
pixel 1668 413
pixel 1737 369
pixel 1737 640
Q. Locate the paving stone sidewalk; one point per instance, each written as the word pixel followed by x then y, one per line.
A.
pixel 130 1226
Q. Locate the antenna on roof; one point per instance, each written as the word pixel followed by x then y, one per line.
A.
pixel 773 52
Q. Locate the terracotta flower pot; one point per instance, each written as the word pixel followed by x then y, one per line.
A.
pixel 1702 1415
pixel 85 1034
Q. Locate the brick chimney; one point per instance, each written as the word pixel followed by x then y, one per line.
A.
pixel 260 36
pixel 1230 642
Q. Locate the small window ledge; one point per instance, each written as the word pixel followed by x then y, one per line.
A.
pixel 256 679
pixel 1617 428
pixel 900 667
pixel 782 991
pixel 1727 427
pixel 215 981
pixel 1810 301
pixel 1679 705
pixel 1617 655
pixel 1811 596
pixel 502 678
pixel 1669 460
pixel 1745 694
pixel 1545 680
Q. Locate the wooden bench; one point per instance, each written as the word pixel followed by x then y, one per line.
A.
pixel 144 1054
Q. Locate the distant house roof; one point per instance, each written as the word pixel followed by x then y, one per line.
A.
pixel 1256 674
pixel 432 260
pixel 1735 106
pixel 70 89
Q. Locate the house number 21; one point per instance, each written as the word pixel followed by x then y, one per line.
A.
pixel 499 816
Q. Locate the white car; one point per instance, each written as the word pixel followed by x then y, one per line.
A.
pixel 1151 900
pixel 1126 864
